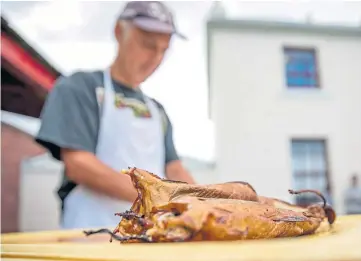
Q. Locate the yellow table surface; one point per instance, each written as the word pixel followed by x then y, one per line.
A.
pixel 341 243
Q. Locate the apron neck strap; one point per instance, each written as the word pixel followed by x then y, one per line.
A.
pixel 107 80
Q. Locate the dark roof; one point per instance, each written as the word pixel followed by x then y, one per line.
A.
pixel 5 27
pixel 272 26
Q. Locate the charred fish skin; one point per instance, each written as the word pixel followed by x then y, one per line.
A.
pixel 226 221
pixel 171 211
pixel 160 191
pixel 217 222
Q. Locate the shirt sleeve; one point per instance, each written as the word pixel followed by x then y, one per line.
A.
pixel 69 118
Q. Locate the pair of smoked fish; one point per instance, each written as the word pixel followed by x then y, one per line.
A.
pixel 172 211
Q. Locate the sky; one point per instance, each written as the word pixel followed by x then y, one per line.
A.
pixel 77 35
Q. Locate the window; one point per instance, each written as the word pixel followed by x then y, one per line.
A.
pixel 301 68
pixel 310 170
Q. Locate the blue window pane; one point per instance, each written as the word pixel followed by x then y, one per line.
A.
pixel 300 67
pixel 309 164
pixel 299 183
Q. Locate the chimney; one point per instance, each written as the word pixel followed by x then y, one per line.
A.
pixel 217 11
pixel 309 18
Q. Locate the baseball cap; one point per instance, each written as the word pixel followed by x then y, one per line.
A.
pixel 151 16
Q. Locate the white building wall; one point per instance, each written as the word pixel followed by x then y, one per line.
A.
pixel 39 207
pixel 255 115
pixel 205 176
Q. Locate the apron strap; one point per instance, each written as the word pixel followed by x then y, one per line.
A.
pixel 99 92
pixel 102 90
pixel 161 112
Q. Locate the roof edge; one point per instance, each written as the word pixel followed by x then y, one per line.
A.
pixel 337 30
pixel 6 27
pixel 25 124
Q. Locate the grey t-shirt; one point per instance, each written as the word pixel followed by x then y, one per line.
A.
pixel 70 118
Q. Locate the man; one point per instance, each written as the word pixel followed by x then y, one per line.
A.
pixel 353 197
pixel 100 122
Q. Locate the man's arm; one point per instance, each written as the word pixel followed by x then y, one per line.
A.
pixel 84 168
pixel 69 130
pixel 173 166
pixel 176 171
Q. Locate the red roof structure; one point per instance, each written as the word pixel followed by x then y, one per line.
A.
pixel 26 78
pixel 26 75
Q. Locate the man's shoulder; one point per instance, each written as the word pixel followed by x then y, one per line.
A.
pixel 82 81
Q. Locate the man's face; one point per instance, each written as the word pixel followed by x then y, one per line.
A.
pixel 142 52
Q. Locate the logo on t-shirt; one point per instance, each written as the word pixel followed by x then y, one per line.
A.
pixel 139 108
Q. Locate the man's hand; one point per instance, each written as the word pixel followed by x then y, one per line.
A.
pixel 176 171
pixel 84 168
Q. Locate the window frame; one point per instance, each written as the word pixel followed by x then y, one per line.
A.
pixel 315 53
pixel 328 180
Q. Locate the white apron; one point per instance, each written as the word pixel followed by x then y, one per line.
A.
pixel 124 141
